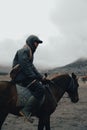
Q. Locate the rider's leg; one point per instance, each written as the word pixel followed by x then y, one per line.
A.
pixel 30 106
pixel 34 101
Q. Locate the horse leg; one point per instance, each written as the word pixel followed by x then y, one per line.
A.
pixel 2 118
pixel 41 124
pixel 44 122
pixel 47 123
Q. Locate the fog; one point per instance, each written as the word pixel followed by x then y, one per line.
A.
pixel 61 24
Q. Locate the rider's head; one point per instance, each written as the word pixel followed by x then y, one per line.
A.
pixel 33 42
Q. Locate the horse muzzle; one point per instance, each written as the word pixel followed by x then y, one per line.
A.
pixel 75 100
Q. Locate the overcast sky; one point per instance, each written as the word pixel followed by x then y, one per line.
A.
pixel 61 24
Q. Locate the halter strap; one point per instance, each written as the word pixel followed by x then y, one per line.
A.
pixel 71 84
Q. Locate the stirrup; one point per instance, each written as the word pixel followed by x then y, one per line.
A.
pixel 31 120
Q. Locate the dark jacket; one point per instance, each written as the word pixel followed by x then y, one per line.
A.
pixel 28 71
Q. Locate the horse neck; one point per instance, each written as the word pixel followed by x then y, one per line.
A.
pixel 59 88
pixel 58 93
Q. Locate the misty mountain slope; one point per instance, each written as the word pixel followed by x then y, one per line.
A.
pixel 79 67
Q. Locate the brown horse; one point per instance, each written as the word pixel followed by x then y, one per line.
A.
pixel 58 86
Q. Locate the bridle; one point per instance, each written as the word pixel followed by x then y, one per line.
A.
pixel 72 85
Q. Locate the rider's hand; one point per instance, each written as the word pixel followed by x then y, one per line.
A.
pixel 45 80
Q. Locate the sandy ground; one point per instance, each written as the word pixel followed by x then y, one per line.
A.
pixel 68 116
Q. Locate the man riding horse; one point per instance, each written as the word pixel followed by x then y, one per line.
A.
pixel 28 73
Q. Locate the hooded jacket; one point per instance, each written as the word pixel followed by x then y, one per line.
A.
pixel 28 71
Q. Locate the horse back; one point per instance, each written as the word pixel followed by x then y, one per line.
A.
pixel 4 85
pixel 8 93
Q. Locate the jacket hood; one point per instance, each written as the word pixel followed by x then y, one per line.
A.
pixel 30 42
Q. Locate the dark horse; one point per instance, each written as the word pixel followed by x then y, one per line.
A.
pixel 58 86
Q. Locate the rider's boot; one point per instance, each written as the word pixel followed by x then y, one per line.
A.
pixel 30 106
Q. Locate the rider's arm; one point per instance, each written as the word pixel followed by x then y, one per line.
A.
pixel 36 72
pixel 26 64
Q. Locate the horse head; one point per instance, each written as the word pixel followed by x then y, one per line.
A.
pixel 72 89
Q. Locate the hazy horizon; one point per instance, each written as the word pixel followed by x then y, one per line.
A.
pixel 45 67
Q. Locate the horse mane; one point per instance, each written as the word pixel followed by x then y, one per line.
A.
pixel 55 76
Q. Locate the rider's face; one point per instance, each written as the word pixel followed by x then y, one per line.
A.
pixel 36 44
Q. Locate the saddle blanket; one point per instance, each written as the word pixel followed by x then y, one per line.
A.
pixel 23 94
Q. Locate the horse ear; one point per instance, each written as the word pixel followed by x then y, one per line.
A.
pixel 73 76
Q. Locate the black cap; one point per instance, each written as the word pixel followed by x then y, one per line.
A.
pixel 32 38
